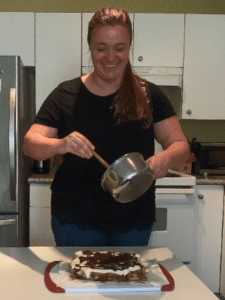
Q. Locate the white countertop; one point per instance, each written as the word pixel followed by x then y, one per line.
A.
pixel 22 275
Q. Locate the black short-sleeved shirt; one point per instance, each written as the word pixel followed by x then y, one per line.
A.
pixel 77 183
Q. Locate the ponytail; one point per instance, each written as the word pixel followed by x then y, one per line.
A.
pixel 133 102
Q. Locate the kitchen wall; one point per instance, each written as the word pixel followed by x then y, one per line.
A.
pixel 141 6
pixel 205 131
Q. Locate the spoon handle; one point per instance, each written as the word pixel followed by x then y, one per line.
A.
pixel 100 159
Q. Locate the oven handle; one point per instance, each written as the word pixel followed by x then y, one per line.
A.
pixel 174 191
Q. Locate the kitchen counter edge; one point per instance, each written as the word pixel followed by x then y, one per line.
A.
pixel 48 178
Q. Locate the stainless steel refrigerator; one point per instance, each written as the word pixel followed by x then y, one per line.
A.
pixel 17 111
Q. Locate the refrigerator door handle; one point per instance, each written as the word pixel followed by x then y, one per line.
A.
pixel 12 143
pixel 7 222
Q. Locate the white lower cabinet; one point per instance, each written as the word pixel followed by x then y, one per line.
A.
pixel 209 219
pixel 40 215
pixel 40 227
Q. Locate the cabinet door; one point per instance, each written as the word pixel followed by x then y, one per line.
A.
pixel 40 215
pixel 209 214
pixel 40 227
pixel 58 51
pixel 40 194
pixel 17 35
pixel 86 56
pixel 204 67
pixel 158 40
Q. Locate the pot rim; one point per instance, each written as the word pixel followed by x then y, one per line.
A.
pixel 124 156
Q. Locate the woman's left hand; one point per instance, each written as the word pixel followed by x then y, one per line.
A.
pixel 159 165
pixel 176 150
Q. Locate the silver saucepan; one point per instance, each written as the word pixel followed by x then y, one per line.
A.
pixel 127 178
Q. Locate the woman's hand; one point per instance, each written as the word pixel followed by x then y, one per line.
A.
pixel 77 144
pixel 159 164
pixel 41 143
pixel 176 150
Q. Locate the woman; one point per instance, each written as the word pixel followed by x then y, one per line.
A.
pixel 115 112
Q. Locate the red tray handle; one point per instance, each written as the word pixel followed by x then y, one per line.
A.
pixel 171 285
pixel 48 281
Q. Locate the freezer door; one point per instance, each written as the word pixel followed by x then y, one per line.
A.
pixel 9 115
pixel 9 231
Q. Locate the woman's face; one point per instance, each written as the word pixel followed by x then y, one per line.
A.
pixel 109 48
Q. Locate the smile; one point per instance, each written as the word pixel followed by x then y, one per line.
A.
pixel 110 66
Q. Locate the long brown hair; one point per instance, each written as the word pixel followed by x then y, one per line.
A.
pixel 133 102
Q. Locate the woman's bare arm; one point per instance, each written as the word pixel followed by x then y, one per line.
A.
pixel 41 143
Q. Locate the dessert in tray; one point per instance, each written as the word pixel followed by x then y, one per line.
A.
pixel 108 266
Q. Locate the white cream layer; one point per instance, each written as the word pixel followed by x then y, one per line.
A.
pixel 88 271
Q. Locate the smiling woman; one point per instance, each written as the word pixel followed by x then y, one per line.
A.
pixel 110 31
pixel 109 48
pixel 115 112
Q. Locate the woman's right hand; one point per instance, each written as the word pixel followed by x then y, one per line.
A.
pixel 78 144
pixel 41 143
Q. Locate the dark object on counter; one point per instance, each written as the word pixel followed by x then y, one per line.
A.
pixel 195 149
pixel 210 158
pixel 41 166
pixel 193 145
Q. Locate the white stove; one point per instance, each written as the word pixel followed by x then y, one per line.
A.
pixel 174 178
pixel 175 216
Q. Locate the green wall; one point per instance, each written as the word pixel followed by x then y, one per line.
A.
pixel 142 6
pixel 205 131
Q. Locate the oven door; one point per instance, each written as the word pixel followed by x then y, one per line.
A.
pixel 175 227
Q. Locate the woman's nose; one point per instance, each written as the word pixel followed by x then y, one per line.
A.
pixel 110 55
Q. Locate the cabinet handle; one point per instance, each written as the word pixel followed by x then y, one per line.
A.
pixel 188 111
pixel 201 196
pixel 7 222
pixel 140 58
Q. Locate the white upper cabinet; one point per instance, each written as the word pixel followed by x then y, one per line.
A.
pixel 204 67
pixel 58 51
pixel 158 40
pixel 17 35
pixel 86 55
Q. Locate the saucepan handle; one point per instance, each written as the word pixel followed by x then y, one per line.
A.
pixel 100 159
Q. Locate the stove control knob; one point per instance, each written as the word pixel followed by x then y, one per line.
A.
pixel 200 196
